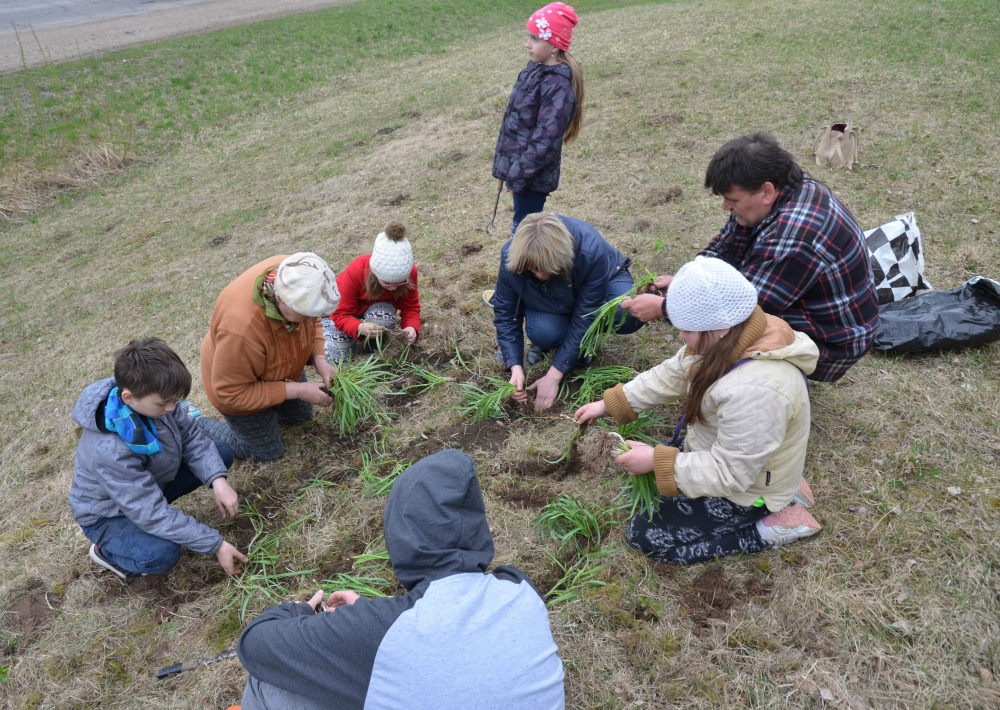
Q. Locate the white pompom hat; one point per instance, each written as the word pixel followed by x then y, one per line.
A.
pixel 709 294
pixel 392 257
pixel 305 284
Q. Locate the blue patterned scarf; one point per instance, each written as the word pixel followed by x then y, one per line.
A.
pixel 138 432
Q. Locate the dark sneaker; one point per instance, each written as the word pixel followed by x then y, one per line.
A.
pixel 500 360
pixel 97 556
pixel 536 354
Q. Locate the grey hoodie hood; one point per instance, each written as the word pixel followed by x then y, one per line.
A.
pixel 435 520
pixel 85 409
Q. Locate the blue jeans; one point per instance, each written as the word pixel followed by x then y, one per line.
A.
pixel 548 330
pixel 528 202
pixel 133 549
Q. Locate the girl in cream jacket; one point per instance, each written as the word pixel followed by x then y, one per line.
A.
pixel 731 486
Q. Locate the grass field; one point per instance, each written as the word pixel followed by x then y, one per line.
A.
pixel 894 605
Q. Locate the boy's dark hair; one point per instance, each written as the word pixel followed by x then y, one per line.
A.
pixel 149 366
pixel 748 162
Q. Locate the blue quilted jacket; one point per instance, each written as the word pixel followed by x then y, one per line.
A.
pixel 529 148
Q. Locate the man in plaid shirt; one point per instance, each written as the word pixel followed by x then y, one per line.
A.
pixel 797 244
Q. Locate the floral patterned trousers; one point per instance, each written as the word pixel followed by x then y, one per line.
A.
pixel 688 530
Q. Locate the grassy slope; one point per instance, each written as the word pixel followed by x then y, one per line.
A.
pixel 920 79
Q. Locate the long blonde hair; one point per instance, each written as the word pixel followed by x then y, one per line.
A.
pixel 576 81
pixel 541 243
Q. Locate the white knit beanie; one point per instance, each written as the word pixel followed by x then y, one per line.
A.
pixel 305 284
pixel 392 257
pixel 709 294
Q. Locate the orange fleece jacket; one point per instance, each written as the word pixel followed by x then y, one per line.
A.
pixel 246 357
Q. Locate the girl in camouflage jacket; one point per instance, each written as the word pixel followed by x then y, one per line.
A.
pixel 544 112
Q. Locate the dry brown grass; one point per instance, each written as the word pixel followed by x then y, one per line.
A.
pixel 830 618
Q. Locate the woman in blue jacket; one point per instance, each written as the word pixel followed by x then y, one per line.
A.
pixel 553 272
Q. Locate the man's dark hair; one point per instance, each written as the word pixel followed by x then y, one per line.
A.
pixel 149 366
pixel 748 162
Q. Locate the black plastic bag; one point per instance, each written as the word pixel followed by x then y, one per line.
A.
pixel 941 320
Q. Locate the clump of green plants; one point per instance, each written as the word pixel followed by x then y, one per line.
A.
pixel 260 581
pixel 430 379
pixel 641 489
pixel 356 390
pixel 373 463
pixel 577 577
pixel 481 404
pixel 604 318
pixel 568 520
pixel 594 380
pixel 371 575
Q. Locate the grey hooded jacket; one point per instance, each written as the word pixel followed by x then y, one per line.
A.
pixel 111 480
pixel 460 638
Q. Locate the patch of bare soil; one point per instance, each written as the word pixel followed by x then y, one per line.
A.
pixel 711 594
pixel 154 590
pixel 454 254
pixel 32 612
pixel 643 612
pixel 488 436
pixel 536 497
pixel 540 467
pixel 662 195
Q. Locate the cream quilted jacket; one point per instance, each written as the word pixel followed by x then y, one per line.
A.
pixel 753 442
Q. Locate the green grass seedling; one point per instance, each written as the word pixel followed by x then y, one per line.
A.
pixel 356 389
pixel 577 577
pixel 594 380
pixel 480 405
pixel 568 520
pixel 604 318
pixel 431 379
pixel 260 581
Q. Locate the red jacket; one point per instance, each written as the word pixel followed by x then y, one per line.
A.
pixel 354 300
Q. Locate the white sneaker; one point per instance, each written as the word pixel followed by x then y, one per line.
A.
pixel 787 525
pixel 97 556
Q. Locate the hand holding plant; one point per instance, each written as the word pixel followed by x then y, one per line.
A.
pixel 309 392
pixel 411 335
pixel 336 599
pixel 324 369
pixel 517 379
pixel 638 460
pixel 229 557
pixel 546 389
pixel 369 330
pixel 589 412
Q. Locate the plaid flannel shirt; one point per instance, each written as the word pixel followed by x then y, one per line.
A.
pixel 809 264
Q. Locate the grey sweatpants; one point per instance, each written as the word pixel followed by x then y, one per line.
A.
pixel 257 436
pixel 263 696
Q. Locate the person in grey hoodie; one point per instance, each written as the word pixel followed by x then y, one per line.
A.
pixel 459 638
pixel 138 452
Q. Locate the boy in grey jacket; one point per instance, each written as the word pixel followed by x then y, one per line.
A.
pixel 138 453
pixel 459 638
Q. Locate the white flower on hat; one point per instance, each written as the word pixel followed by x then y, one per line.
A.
pixel 709 294
pixel 392 256
pixel 541 23
pixel 305 284
pixel 544 34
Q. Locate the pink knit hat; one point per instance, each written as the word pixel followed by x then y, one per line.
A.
pixel 554 23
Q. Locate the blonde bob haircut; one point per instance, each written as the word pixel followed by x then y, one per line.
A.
pixel 541 243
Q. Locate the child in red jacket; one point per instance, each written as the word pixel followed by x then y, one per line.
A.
pixel 373 288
